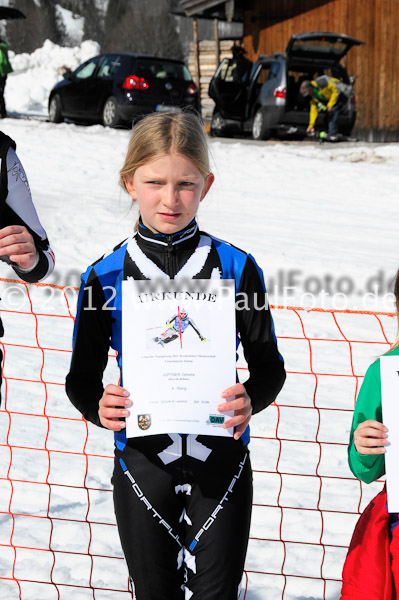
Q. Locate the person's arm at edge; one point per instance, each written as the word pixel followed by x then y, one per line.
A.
pixel 42 267
pixel 367 467
pixel 19 210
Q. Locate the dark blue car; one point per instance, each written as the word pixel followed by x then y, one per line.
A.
pixel 118 89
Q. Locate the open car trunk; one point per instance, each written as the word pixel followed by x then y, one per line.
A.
pixel 310 55
pixel 324 46
pixel 297 73
pixel 297 107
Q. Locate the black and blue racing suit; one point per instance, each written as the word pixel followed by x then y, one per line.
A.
pixel 182 502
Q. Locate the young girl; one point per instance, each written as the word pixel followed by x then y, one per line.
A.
pixel 182 502
pixel 372 565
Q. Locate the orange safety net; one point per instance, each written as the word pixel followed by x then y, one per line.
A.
pixel 58 537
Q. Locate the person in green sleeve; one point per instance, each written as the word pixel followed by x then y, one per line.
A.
pixel 372 565
pixel 5 69
pixel 368 434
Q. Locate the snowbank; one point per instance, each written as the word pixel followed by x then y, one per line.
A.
pixel 35 74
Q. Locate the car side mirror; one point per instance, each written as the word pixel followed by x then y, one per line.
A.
pixel 68 75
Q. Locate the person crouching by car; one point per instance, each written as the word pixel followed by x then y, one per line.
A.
pixel 328 95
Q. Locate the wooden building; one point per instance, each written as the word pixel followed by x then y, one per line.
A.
pixel 269 24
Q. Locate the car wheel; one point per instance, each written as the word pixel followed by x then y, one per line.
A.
pixel 218 125
pixel 54 110
pixel 260 130
pixel 111 116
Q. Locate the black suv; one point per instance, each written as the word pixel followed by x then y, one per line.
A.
pixel 117 89
pixel 264 99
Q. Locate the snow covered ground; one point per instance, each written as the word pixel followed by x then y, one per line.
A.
pixel 314 217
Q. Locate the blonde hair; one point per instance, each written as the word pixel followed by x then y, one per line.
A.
pixel 166 133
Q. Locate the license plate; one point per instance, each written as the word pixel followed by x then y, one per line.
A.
pixel 166 108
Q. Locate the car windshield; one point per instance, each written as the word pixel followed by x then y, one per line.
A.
pixel 321 46
pixel 87 69
pixel 162 69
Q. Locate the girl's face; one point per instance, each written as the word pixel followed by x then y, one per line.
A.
pixel 168 191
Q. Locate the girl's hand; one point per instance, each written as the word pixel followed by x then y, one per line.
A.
pixel 17 243
pixel 369 436
pixel 242 409
pixel 112 407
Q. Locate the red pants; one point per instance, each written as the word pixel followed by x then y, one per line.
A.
pixel 367 573
pixel 394 550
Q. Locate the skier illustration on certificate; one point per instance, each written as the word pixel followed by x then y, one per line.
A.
pixel 175 327
pixel 189 372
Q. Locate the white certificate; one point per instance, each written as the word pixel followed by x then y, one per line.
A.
pixel 389 366
pixel 179 353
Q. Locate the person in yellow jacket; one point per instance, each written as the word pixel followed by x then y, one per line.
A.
pixel 327 94
pixel 5 69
